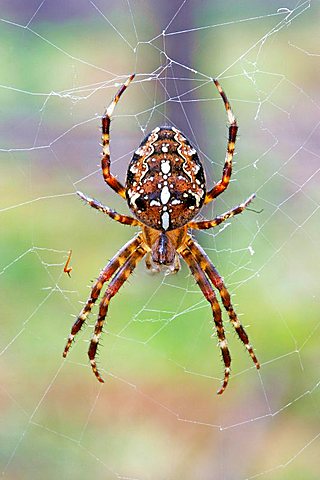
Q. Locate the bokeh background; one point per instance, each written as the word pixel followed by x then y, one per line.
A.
pixel 158 415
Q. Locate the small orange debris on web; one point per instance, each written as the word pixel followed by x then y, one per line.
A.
pixel 66 268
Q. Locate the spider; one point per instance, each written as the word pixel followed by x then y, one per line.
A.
pixel 165 189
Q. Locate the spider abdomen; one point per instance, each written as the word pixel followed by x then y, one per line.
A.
pixel 165 180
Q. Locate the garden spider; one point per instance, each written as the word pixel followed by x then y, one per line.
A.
pixel 165 189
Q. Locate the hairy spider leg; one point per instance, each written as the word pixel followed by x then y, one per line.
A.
pixel 117 281
pixel 110 269
pixel 207 266
pixel 125 219
pixel 227 169
pixel 105 162
pixel 221 218
pixel 208 292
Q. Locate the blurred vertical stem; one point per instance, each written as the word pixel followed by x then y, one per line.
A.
pixel 176 17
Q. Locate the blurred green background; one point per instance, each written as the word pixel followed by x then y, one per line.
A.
pixel 158 416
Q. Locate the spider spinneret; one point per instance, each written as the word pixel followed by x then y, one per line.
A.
pixel 165 189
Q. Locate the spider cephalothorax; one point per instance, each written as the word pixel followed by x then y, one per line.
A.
pixel 165 189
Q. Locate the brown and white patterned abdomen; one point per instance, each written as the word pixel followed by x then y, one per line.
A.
pixel 165 180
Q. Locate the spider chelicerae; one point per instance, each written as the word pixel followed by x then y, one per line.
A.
pixel 165 189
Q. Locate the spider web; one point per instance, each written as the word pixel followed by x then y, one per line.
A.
pixel 157 415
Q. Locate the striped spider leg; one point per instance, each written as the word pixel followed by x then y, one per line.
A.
pixel 227 169
pixel 202 280
pixel 204 272
pixel 105 161
pixel 116 282
pixel 122 262
pixel 125 219
pixel 206 224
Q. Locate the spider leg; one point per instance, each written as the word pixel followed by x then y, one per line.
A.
pixel 227 169
pixel 114 264
pixel 108 211
pixel 221 218
pixel 105 162
pixel 117 281
pixel 206 265
pixel 207 290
